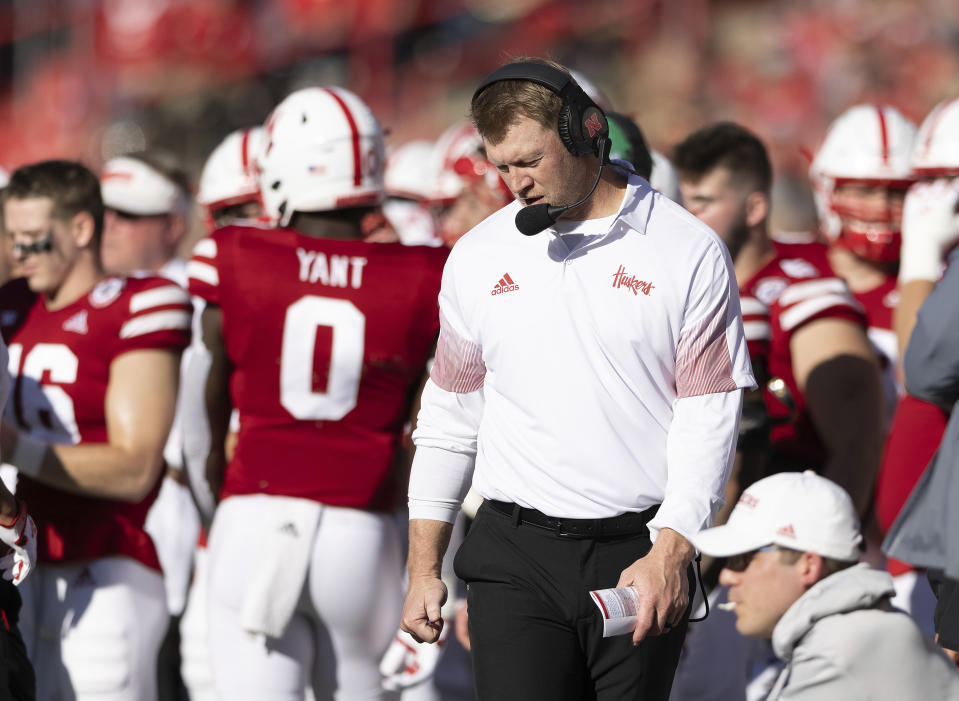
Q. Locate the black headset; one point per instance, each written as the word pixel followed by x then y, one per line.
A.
pixel 582 123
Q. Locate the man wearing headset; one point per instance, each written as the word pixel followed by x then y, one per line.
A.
pixel 593 376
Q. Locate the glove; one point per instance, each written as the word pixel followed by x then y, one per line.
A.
pixel 408 663
pixel 930 227
pixel 20 537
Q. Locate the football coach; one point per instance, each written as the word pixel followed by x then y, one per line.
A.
pixel 588 382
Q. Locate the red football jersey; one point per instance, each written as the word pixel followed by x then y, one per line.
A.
pixel 879 304
pixel 798 286
pixel 328 340
pixel 60 364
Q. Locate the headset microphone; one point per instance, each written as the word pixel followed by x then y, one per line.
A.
pixel 534 218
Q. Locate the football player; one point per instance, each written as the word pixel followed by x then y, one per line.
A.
pixel 320 340
pixel 801 321
pixel 229 194
pixel 807 339
pixel 228 191
pixel 409 189
pixel 469 188
pixel 930 229
pixel 860 175
pixel 146 200
pixel 18 535
pixel 94 362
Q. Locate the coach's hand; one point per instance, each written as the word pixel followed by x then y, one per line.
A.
pixel 660 580
pixel 421 612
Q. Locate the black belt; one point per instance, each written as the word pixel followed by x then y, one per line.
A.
pixel 630 523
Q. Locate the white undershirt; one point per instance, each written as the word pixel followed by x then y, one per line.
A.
pixel 586 231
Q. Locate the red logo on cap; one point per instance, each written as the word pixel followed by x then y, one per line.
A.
pixel 787 531
pixel 749 500
pixel 110 175
pixel 592 125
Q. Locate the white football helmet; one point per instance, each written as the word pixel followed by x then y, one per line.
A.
pixel 322 150
pixel 866 145
pixel 229 174
pixel 408 171
pixel 936 152
pixel 458 160
pixel 460 141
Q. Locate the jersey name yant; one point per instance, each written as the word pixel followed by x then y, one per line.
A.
pixel 337 271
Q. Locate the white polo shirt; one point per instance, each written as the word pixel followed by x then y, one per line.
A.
pixel 561 372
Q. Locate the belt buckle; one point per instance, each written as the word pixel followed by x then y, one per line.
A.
pixel 589 531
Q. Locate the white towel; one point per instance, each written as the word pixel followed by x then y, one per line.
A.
pixel 282 558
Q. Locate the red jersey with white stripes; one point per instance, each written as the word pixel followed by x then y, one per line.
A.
pixel 798 286
pixel 60 364
pixel 328 339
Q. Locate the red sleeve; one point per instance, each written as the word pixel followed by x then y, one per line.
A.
pixel 755 325
pixel 157 314
pixel 802 302
pixel 205 269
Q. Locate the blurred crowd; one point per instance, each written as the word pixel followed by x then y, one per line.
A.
pixel 92 80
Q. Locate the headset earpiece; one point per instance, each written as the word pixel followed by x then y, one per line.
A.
pixel 581 122
pixel 562 127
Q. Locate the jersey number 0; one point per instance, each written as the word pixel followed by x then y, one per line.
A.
pixel 297 393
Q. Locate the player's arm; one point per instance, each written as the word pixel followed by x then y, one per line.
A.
pixel 838 373
pixel 206 410
pixel 930 228
pixel 139 406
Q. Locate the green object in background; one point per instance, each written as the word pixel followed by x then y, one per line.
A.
pixel 628 144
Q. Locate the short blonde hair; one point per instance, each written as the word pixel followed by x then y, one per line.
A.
pixel 497 108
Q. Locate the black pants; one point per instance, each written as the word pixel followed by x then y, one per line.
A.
pixel 17 682
pixel 534 631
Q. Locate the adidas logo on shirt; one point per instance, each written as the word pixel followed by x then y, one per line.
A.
pixel 77 323
pixel 505 284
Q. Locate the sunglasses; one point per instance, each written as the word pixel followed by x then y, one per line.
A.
pixel 739 563
pixel 130 216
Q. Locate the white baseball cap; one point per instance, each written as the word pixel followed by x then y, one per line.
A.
pixel 130 185
pixel 796 510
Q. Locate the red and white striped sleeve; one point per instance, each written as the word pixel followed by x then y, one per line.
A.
pixel 203 270
pixel 827 297
pixel 459 365
pixel 158 314
pixel 711 353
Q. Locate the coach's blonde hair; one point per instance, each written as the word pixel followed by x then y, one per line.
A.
pixel 497 108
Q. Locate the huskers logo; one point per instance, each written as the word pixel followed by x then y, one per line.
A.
pixel 620 279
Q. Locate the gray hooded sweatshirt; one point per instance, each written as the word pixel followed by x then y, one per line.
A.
pixel 842 641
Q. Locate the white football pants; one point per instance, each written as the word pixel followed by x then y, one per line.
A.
pixel 93 630
pixel 195 664
pixel 348 611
